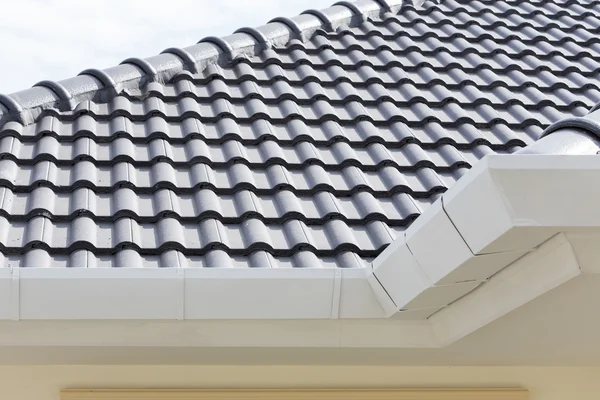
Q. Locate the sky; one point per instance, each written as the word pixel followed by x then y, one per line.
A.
pixel 57 39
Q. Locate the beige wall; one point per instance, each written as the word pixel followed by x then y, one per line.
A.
pixel 44 382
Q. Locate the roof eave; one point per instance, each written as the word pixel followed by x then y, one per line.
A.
pixel 475 255
pixel 512 229
pixel 492 243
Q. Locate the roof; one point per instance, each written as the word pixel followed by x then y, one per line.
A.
pixel 315 152
pixel 300 151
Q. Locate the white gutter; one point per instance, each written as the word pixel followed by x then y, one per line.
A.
pixel 177 293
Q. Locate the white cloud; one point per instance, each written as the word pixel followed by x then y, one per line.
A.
pixel 57 39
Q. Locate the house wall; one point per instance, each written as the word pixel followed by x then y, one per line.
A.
pixel 544 383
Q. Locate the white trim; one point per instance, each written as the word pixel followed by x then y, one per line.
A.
pixel 531 276
pixel 401 284
pixel 258 293
pixel 502 213
pixel 533 197
pixel 383 298
pixel 187 294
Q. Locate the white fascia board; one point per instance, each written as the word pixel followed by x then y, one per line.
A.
pixel 358 298
pixel 186 294
pixel 399 274
pixel 98 293
pixel 280 294
pixel 167 294
pixel 219 293
pixel 553 264
pixel 507 214
pixel 585 245
pixel 433 235
pixel 515 202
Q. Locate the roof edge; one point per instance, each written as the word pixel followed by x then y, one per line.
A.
pixel 102 85
pixel 569 136
pixel 486 264
pixel 474 247
pixel 186 294
pixel 502 237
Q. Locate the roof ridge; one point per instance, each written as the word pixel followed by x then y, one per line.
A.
pixel 102 85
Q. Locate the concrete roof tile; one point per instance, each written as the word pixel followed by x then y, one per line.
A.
pixel 309 142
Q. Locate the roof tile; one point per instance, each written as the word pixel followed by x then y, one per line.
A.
pixel 310 154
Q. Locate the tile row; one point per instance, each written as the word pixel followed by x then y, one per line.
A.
pixel 347 45
pixel 130 258
pixel 548 8
pixel 412 59
pixel 348 113
pixel 335 156
pixel 396 209
pixel 438 24
pixel 567 15
pixel 538 20
pixel 405 93
pixel 364 75
pixel 360 134
pixel 457 44
pixel 226 180
pixel 283 239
